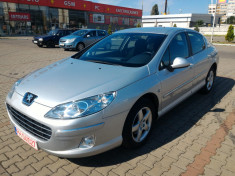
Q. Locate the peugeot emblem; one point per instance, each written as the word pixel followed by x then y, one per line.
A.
pixel 29 98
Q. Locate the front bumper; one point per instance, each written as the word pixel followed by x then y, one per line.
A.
pixel 67 134
pixel 37 42
pixel 65 45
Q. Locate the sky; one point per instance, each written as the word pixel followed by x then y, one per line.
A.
pixel 175 6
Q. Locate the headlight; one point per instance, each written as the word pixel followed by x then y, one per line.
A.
pixel 70 40
pixel 82 107
pixel 41 39
pixel 13 87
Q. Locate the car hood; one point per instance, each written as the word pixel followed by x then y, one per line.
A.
pixel 42 36
pixel 70 37
pixel 71 79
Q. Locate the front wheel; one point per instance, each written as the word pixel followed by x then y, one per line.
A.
pixel 80 47
pixel 138 124
pixel 209 81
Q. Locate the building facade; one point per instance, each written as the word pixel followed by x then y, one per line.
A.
pixel 180 20
pixel 225 9
pixel 30 17
pixel 231 8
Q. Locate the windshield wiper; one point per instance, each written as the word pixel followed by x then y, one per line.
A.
pixel 102 62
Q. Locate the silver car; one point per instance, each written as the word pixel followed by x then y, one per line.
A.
pixel 82 38
pixel 109 94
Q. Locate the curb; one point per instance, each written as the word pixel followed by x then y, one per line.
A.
pixel 15 38
pixel 221 44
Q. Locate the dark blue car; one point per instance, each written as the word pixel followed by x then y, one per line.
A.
pixel 52 38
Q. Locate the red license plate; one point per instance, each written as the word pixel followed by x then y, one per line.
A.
pixel 27 139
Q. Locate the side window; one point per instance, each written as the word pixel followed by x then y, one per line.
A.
pixel 197 42
pixel 179 47
pixel 165 62
pixel 92 34
pixel 101 33
pixel 60 33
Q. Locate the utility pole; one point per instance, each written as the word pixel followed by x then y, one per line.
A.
pixel 165 7
pixel 213 26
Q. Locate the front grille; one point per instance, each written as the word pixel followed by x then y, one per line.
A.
pixel 35 128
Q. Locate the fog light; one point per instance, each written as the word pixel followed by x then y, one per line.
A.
pixel 87 142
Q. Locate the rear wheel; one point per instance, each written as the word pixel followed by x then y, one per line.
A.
pixel 80 46
pixel 138 124
pixel 209 81
pixel 40 46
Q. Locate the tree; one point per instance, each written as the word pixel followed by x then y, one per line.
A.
pixel 197 28
pixel 110 29
pixel 138 25
pixel 200 23
pixel 175 25
pixel 155 10
pixel 231 20
pixel 230 34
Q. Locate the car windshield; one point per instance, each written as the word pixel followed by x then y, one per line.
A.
pixel 126 49
pixel 80 32
pixel 53 32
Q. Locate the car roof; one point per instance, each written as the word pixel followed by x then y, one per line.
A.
pixel 156 30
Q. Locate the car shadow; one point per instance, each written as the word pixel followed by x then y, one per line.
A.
pixel 172 125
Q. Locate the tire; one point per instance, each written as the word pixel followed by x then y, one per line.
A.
pixel 50 44
pixel 210 78
pixel 80 46
pixel 40 46
pixel 138 124
pixel 66 49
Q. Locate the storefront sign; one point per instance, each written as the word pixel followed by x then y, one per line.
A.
pixel 18 16
pixel 82 5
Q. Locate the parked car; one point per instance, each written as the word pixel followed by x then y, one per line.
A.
pixel 102 98
pixel 52 38
pixel 81 39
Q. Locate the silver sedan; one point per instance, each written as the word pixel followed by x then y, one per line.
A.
pixel 110 93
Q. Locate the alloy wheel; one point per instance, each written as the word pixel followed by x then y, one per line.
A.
pixel 141 124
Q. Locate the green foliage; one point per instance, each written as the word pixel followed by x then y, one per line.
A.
pixel 231 20
pixel 110 29
pixel 230 34
pixel 200 23
pixel 121 28
pixel 138 25
pixel 155 10
pixel 197 28
pixel 175 25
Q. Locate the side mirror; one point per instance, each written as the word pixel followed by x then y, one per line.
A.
pixel 180 62
pixel 88 36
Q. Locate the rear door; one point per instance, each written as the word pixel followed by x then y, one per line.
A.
pixel 178 82
pixel 101 34
pixel 201 57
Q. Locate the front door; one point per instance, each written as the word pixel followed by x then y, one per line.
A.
pixel 90 38
pixel 175 83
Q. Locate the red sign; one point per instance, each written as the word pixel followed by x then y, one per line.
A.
pixel 18 16
pixel 96 7
pixel 34 2
pixel 82 5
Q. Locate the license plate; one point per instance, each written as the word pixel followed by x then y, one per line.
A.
pixel 35 41
pixel 61 44
pixel 27 139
